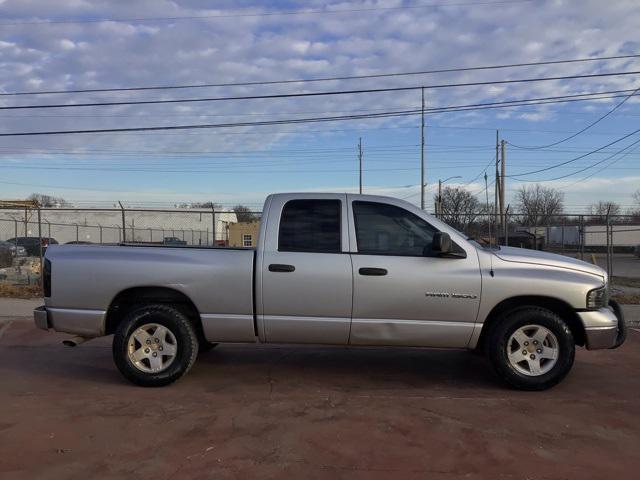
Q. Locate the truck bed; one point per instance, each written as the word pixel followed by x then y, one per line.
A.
pixel 219 281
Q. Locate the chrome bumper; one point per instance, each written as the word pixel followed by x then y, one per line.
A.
pixel 604 328
pixel 41 318
pixel 88 323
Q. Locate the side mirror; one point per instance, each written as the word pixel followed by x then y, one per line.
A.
pixel 441 243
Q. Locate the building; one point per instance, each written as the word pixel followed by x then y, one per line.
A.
pixel 243 234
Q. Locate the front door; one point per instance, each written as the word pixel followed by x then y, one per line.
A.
pixel 403 293
pixel 306 273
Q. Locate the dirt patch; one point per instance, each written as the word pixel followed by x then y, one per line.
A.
pixel 627 299
pixel 20 291
pixel 265 412
pixel 626 290
pixel 626 282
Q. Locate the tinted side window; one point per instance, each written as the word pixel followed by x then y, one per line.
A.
pixel 310 226
pixel 383 229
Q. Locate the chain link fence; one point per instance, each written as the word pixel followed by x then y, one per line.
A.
pixel 25 233
pixel 610 241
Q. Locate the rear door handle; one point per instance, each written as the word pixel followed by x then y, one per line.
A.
pixel 279 267
pixel 376 272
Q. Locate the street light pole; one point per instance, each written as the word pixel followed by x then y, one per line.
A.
pixel 360 161
pixel 440 182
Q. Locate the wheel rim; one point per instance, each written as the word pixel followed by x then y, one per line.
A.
pixel 152 348
pixel 533 350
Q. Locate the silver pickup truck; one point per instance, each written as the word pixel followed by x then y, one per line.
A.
pixel 333 269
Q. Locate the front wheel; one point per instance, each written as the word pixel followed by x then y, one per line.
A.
pixel 154 345
pixel 531 348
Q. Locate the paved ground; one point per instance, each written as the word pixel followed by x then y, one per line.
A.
pixel 308 412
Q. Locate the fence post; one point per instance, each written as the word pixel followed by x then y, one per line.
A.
pixel 582 237
pixel 213 225
pixel 192 238
pixel 77 232
pixel 564 224
pixel 15 226
pixel 124 225
pixel 100 226
pixel 609 234
pixel 506 227
pixel 40 238
pixel 150 235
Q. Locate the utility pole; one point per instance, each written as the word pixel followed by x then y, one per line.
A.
pixel 422 153
pixel 497 184
pixel 360 159
pixel 503 174
pixel 439 209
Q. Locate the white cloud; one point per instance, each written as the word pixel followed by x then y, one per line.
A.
pixel 236 49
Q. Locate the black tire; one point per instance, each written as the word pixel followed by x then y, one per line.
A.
pixel 186 344
pixel 622 325
pixel 497 347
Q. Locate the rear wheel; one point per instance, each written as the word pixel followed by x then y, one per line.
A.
pixel 531 348
pixel 154 345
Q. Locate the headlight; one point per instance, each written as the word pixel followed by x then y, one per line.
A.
pixel 598 297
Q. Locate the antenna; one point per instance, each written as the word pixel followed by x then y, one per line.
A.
pixel 486 190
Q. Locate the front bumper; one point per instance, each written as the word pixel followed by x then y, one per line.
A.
pixel 87 323
pixel 604 328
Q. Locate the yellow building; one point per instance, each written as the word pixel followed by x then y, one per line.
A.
pixel 243 234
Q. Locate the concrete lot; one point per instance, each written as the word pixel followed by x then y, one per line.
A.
pixel 309 412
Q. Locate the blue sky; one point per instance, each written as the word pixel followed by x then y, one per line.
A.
pixel 242 165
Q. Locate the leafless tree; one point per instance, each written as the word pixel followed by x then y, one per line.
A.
pixel 460 208
pixel 48 200
pixel 244 214
pixel 635 210
pixel 539 205
pixel 600 210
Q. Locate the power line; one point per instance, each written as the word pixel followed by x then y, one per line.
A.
pixel 587 167
pixel 318 94
pixel 624 155
pixel 491 162
pixel 459 108
pixel 573 159
pixel 617 106
pixel 322 79
pixel 260 14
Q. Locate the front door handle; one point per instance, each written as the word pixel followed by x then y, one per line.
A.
pixel 279 267
pixel 376 272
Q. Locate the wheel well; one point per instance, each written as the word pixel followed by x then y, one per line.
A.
pixel 127 299
pixel 562 309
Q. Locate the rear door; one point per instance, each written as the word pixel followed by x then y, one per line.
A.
pixel 405 294
pixel 305 283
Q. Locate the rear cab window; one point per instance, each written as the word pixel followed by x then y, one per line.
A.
pixel 311 225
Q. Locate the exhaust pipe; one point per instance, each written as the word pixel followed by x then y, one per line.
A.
pixel 74 341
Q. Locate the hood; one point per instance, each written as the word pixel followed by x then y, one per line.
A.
pixel 537 257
